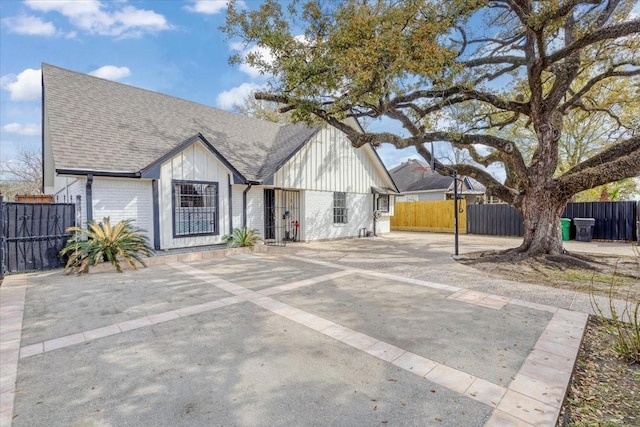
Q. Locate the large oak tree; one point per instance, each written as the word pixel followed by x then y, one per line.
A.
pixel 502 73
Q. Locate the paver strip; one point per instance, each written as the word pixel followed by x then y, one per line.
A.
pixel 533 398
pixel 12 297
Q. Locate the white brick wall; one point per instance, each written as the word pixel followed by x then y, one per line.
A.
pixel 255 207
pixel 124 199
pixel 318 215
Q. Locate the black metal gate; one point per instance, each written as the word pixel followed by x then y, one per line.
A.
pixel 32 234
pixel 281 216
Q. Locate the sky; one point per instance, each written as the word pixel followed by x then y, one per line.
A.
pixel 172 47
pixel 169 46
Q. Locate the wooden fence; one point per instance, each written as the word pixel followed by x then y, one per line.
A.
pixel 435 216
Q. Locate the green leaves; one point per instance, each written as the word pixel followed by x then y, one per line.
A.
pixel 104 242
pixel 242 237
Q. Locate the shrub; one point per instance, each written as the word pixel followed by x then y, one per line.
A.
pixel 104 242
pixel 242 237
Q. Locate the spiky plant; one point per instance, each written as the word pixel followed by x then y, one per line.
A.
pixel 102 241
pixel 242 237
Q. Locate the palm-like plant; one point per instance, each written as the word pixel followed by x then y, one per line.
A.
pixel 102 241
pixel 242 237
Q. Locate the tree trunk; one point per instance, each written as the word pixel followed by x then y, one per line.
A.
pixel 541 210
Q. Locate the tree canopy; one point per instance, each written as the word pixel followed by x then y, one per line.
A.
pixel 506 75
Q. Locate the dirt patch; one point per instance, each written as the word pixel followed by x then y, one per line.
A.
pixel 622 272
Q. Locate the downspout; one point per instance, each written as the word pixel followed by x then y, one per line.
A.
pixel 42 131
pixel 89 197
pixel 230 205
pixel 244 203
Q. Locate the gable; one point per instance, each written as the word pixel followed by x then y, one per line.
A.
pixel 195 162
pixel 328 162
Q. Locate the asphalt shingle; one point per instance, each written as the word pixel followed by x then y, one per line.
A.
pixel 102 125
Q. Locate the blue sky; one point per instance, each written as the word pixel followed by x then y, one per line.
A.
pixel 172 47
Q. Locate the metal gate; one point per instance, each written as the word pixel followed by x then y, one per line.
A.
pixel 281 216
pixel 32 234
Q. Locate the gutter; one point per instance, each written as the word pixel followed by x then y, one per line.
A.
pixel 87 172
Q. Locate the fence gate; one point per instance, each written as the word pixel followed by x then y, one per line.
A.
pixel 281 216
pixel 32 234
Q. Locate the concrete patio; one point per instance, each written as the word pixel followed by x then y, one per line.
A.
pixel 371 331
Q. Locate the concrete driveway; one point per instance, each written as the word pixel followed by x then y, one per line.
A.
pixel 382 331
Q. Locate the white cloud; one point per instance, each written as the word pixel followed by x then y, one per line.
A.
pixel 95 17
pixel 29 25
pixel 210 7
pixel 26 86
pixel 30 129
pixel 234 96
pixel 263 53
pixel 635 12
pixel 111 72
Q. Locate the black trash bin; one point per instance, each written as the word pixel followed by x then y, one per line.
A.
pixel 584 229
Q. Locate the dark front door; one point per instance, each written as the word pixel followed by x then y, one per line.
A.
pixel 269 215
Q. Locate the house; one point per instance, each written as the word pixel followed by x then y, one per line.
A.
pixel 417 181
pixel 189 174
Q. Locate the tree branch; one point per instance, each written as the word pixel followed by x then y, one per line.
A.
pixel 620 30
pixel 583 178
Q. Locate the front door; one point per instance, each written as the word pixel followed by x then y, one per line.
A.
pixel 281 216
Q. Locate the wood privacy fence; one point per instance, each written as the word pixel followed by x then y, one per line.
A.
pixel 436 216
pixel 614 220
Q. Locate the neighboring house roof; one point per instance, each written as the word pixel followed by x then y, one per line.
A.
pixel 416 176
pixel 100 125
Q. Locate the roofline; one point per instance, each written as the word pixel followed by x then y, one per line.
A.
pixel 111 174
pixel 153 170
pixel 425 191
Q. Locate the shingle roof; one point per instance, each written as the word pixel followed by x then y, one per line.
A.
pixel 102 125
pixel 414 175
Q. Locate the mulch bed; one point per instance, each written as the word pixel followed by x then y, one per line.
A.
pixel 605 389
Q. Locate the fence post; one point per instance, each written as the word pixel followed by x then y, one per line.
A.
pixel 2 237
pixel 638 222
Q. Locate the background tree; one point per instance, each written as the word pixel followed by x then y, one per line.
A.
pixel 264 110
pixel 21 176
pixel 491 66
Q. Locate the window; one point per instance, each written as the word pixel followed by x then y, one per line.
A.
pixel 195 208
pixel 383 203
pixel 340 208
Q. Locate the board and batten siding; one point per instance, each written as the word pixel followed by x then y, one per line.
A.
pixel 194 163
pixel 330 163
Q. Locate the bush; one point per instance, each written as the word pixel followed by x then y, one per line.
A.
pixel 242 237
pixel 103 242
